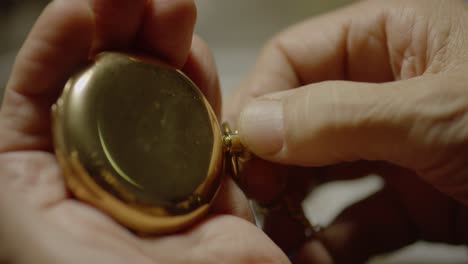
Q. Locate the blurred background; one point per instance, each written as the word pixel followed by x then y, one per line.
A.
pixel 236 30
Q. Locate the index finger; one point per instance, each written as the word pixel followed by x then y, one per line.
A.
pixel 59 42
pixel 334 46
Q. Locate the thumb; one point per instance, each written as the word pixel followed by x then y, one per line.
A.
pixel 329 122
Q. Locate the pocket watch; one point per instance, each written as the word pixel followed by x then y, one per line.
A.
pixel 138 140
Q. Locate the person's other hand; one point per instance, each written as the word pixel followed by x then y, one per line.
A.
pixel 379 87
pixel 40 222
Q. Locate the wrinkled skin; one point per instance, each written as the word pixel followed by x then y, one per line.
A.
pixel 376 87
pixel 39 221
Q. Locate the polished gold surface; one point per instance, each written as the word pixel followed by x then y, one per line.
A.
pixel 137 139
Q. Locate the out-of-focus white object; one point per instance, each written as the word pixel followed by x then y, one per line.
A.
pixel 328 200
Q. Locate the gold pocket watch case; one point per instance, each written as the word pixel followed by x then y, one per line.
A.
pixel 138 140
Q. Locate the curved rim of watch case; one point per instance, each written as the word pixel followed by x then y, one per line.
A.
pixel 144 219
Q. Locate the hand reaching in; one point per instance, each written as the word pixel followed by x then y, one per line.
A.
pixel 376 87
pixel 40 222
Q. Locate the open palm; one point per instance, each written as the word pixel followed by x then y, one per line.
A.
pixel 40 222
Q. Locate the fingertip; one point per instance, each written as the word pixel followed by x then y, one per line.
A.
pixel 167 29
pixel 117 23
pixel 261 127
